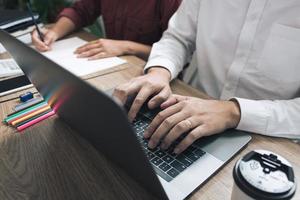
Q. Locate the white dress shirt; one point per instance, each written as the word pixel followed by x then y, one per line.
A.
pixel 246 49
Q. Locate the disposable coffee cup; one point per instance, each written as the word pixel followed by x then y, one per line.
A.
pixel 263 175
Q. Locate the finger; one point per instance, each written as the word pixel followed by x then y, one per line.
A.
pixel 173 100
pixel 169 102
pixel 160 117
pixel 95 42
pixel 138 102
pixel 194 135
pixel 43 32
pixel 82 47
pixel 100 56
pixel 123 91
pixel 89 53
pixel 38 43
pixel 179 129
pixel 165 127
pixel 159 98
pixel 91 43
pixel 48 40
pixel 87 47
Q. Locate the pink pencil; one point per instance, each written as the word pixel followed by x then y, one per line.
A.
pixel 41 118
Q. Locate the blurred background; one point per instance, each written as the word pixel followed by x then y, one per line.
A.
pixel 48 10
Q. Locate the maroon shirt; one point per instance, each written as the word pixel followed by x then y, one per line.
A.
pixel 141 21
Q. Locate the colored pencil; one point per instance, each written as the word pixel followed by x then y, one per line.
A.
pixel 24 126
pixel 27 113
pixel 27 104
pixel 23 112
pixel 27 116
pixel 32 118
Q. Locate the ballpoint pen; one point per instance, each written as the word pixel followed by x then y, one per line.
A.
pixel 34 21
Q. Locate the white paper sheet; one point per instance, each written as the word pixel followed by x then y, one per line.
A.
pixel 26 38
pixel 63 54
pixel 8 67
pixel 2 49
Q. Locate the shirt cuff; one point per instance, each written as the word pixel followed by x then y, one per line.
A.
pixel 162 62
pixel 254 116
pixel 72 15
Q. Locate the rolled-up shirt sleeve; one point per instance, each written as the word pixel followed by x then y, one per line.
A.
pixel 178 42
pixel 82 12
pixel 278 118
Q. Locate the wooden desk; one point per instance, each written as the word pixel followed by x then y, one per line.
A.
pixel 49 160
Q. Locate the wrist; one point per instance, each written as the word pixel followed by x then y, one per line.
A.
pixel 127 48
pixel 160 71
pixel 55 33
pixel 234 113
pixel 63 26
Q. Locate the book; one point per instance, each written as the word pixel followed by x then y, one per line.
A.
pixel 8 67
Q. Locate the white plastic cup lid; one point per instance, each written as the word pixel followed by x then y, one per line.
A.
pixel 263 174
pixel 268 177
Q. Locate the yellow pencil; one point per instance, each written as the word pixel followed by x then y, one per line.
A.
pixel 39 111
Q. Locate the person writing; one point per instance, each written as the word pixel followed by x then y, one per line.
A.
pixel 131 26
pixel 245 55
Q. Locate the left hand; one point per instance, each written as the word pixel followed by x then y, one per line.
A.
pixel 101 48
pixel 197 117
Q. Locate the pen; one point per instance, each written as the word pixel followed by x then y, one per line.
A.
pixel 34 21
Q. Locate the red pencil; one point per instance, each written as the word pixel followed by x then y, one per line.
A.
pixel 41 118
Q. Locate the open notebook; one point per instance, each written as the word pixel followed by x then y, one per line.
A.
pixel 63 54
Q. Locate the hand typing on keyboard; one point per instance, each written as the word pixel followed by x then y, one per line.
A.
pixel 191 115
pixel 180 114
pixel 166 164
pixel 155 83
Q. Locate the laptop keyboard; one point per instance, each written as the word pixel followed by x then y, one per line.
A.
pixel 165 163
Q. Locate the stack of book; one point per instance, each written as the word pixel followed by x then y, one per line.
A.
pixel 18 23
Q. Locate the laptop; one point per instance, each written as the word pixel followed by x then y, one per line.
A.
pixel 101 121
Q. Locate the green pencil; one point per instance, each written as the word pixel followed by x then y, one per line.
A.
pixel 32 118
pixel 23 112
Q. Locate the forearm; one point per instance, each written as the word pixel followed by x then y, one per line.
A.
pixel 137 49
pixel 63 27
pixel 270 117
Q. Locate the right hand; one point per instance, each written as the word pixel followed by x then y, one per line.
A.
pixel 50 36
pixel 155 82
